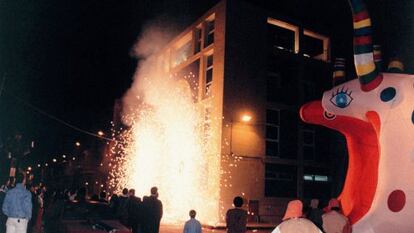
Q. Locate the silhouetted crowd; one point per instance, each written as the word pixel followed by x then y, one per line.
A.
pixel 313 219
pixel 296 219
pixel 35 209
pixel 140 215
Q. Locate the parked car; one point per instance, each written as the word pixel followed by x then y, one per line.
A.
pixel 90 217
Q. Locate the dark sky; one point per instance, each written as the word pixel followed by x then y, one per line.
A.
pixel 72 58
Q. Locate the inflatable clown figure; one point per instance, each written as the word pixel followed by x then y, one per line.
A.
pixel 376 115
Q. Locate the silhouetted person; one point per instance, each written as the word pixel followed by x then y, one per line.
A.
pixel 192 225
pixel 113 202
pixel 35 208
pixel 293 221
pixel 334 221
pixel 122 210
pixel 17 206
pixel 152 212
pixel 53 212
pixel 40 202
pixel 3 217
pixel 134 212
pixel 102 197
pixel 315 213
pixel 236 218
pixel 95 197
pixel 81 195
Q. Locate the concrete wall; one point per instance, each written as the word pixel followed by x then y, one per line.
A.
pixel 244 93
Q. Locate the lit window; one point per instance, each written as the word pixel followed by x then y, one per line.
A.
pixel 197 40
pixel 283 36
pixel 315 178
pixel 308 177
pixel 315 45
pixel 190 73
pixel 183 50
pixel 209 32
pixel 321 178
pixel 208 75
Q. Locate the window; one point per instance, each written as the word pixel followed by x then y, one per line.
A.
pixel 280 180
pixel 274 80
pixel 315 45
pixel 308 152
pixel 183 50
pixel 308 136
pixel 208 75
pixel 272 132
pixel 273 83
pixel 197 39
pixel 209 32
pixel 190 73
pixel 316 182
pixel 283 36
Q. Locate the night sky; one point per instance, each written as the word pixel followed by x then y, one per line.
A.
pixel 72 58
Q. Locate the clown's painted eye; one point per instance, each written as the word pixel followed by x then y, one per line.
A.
pixel 341 98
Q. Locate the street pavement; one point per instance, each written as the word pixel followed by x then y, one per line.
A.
pixel 179 229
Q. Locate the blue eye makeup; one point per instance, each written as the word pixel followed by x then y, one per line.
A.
pixel 341 98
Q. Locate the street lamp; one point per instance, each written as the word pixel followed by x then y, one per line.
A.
pixel 100 133
pixel 246 118
pixel 77 144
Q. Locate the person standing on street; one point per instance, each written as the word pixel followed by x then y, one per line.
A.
pixel 334 221
pixel 3 217
pixel 152 212
pixel 293 221
pixel 192 225
pixel 122 209
pixel 236 218
pixel 134 212
pixel 17 206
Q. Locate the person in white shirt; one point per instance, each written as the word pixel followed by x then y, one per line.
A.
pixel 293 221
pixel 192 225
pixel 334 221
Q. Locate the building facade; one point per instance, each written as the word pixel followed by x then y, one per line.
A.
pixel 250 71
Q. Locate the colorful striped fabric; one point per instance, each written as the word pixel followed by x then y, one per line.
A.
pixel 378 57
pixel 395 66
pixel 339 71
pixel 366 68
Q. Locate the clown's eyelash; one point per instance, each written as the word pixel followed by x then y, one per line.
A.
pixel 342 91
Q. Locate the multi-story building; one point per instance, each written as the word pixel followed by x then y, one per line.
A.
pixel 250 71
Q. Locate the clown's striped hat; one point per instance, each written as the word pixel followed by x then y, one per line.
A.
pixel 395 66
pixel 378 57
pixel 368 74
pixel 339 71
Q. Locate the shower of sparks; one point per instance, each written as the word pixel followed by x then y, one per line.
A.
pixel 168 145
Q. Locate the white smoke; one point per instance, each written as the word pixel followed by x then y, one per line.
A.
pixel 148 79
pixel 165 144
